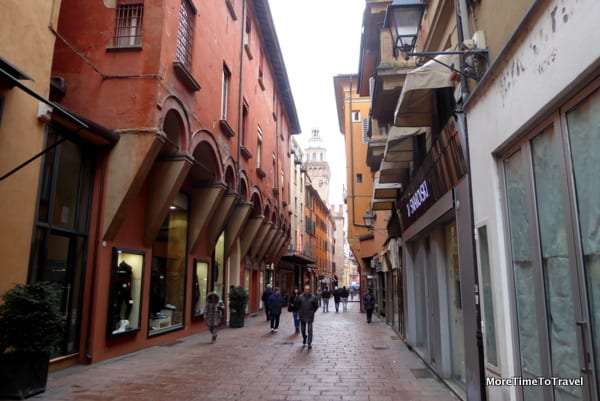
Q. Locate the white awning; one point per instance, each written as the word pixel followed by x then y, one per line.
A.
pixel 386 190
pixel 416 103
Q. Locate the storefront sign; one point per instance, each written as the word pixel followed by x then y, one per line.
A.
pixel 417 199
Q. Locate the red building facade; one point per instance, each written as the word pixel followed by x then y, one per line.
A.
pixel 190 192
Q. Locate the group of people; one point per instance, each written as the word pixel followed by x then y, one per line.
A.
pixel 302 305
pixel 339 295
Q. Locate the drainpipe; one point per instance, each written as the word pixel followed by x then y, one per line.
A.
pixel 462 28
pixel 240 98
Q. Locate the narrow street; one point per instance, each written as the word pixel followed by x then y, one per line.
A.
pixel 350 361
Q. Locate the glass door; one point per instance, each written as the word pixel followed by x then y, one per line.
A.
pixel 61 236
pixel 559 288
pixel 553 206
pixel 582 121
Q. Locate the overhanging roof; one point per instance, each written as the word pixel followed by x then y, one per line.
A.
pixel 399 147
pixel 416 103
pixel 398 154
pixel 385 190
pixel 379 204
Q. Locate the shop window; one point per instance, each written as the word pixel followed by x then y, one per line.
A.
pixel 167 278
pixel 199 287
pixel 60 242
pixel 125 292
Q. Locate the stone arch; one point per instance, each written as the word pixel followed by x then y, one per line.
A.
pixel 174 122
pixel 244 192
pixel 231 177
pixel 207 166
pixel 256 199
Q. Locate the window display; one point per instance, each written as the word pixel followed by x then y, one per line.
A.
pixel 125 292
pixel 167 278
pixel 199 287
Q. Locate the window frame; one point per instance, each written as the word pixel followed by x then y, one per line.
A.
pixel 128 28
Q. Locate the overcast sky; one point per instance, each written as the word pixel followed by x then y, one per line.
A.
pixel 320 39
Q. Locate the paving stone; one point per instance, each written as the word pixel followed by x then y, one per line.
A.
pixel 349 361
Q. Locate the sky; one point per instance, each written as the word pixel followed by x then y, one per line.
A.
pixel 319 39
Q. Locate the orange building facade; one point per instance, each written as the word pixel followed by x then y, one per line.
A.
pixel 166 170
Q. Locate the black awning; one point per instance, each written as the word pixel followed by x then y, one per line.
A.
pixel 298 259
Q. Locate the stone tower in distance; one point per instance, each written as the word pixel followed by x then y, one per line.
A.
pixel 317 164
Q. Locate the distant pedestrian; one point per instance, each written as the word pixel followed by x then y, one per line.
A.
pixel 213 313
pixel 337 297
pixel 307 304
pixel 292 308
pixel 325 295
pixel 275 303
pixel 265 297
pixel 369 302
pixel 344 294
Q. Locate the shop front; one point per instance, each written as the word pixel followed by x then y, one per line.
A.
pixel 436 284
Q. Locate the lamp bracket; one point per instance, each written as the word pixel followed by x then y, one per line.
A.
pixel 477 58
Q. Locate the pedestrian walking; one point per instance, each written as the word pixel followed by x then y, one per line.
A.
pixel 369 302
pixel 265 297
pixel 292 308
pixel 325 295
pixel 337 297
pixel 275 303
pixel 344 294
pixel 213 313
pixel 307 304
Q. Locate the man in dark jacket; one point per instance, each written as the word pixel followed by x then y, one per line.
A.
pixel 265 298
pixel 306 305
pixel 369 302
pixel 275 303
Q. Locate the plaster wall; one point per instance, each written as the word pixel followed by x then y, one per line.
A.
pixel 27 44
pixel 547 60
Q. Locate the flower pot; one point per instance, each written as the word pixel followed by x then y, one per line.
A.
pixel 23 374
pixel 236 319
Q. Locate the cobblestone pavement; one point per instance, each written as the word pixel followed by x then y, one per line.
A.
pixel 350 361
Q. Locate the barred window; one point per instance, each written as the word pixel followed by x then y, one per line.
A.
pixel 365 130
pixel 225 93
pixel 128 25
pixel 185 33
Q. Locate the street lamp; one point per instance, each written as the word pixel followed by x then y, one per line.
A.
pixel 369 219
pixel 403 19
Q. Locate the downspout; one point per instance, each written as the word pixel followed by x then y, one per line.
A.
pixel 352 155
pixel 240 99
pixel 462 29
pixel 94 272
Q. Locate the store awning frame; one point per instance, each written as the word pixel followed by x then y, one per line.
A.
pixel 416 104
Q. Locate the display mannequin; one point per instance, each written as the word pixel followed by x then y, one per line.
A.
pixel 122 300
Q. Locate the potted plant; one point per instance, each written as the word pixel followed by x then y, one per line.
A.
pixel 238 299
pixel 31 327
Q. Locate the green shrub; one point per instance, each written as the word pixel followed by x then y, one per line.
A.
pixel 238 298
pixel 30 318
